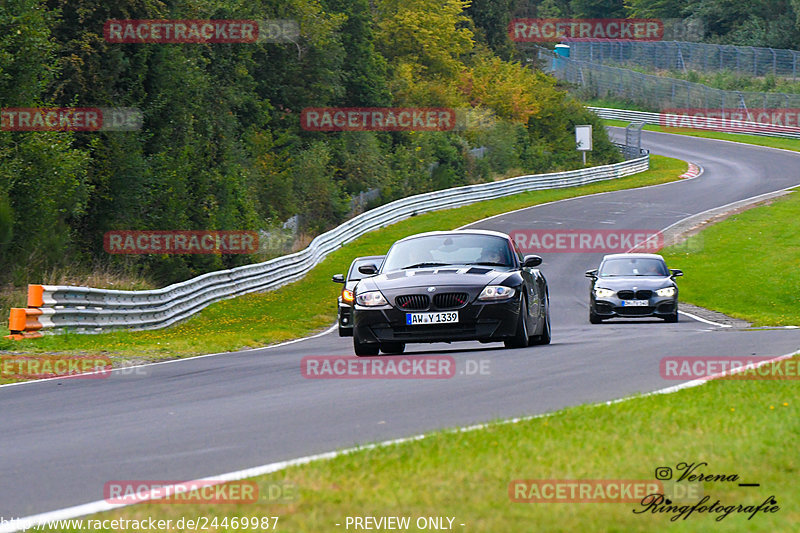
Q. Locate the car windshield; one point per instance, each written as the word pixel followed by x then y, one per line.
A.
pixel 633 266
pixel 355 275
pixel 444 250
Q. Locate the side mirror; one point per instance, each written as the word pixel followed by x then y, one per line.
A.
pixel 591 273
pixel 338 278
pixel 676 272
pixel 531 261
pixel 369 270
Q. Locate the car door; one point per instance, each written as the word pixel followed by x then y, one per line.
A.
pixel 531 285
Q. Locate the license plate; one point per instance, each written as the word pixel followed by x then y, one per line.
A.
pixel 414 319
pixel 635 303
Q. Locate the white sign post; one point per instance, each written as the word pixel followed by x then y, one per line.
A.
pixel 583 139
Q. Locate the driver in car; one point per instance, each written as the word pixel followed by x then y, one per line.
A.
pixel 493 255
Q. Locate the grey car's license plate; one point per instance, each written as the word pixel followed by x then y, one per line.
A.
pixel 635 303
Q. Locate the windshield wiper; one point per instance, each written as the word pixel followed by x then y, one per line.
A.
pixel 419 265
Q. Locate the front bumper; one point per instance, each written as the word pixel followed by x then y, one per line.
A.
pixel 615 307
pixel 490 321
pixel 345 318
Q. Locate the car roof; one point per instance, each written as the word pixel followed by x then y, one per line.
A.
pixel 458 232
pixel 633 256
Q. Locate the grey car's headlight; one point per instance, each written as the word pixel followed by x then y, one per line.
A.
pixel 603 293
pixel 666 291
pixel 496 292
pixel 371 299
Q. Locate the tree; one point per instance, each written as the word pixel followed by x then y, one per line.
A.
pixel 597 9
pixel 491 18
pixel 43 185
pixel 428 34
pixel 364 70
pixel 656 8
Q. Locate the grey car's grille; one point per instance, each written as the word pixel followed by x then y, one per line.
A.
pixel 412 301
pixel 450 300
pixel 638 295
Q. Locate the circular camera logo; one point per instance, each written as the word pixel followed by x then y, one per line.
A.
pixel 663 473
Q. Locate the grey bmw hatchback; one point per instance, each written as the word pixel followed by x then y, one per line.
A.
pixel 633 285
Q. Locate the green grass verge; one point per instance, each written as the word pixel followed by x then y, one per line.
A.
pixel 747 428
pixel 614 103
pixel 771 142
pixel 747 266
pixel 303 307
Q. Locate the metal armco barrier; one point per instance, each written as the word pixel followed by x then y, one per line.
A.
pixel 657 119
pixel 56 308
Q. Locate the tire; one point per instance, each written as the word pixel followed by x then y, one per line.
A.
pixel 671 318
pixel 345 332
pixel 520 338
pixel 392 347
pixel 593 318
pixel 545 337
pixel 363 349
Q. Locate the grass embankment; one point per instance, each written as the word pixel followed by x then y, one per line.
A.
pixel 747 266
pixel 747 428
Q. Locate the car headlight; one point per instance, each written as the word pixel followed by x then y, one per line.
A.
pixel 603 293
pixel 347 296
pixel 371 299
pixel 666 291
pixel 496 292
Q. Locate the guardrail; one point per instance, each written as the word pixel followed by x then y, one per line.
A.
pixel 663 119
pixel 57 308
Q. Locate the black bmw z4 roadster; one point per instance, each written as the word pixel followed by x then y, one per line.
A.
pixel 445 286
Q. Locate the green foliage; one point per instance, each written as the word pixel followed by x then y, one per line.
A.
pixel 491 19
pixel 364 70
pixel 221 146
pixel 597 9
pixel 656 8
pixel 771 23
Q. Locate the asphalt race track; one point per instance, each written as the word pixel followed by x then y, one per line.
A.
pixel 62 440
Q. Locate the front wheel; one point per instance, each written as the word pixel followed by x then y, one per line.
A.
pixel 593 318
pixel 520 338
pixel 671 318
pixel 363 349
